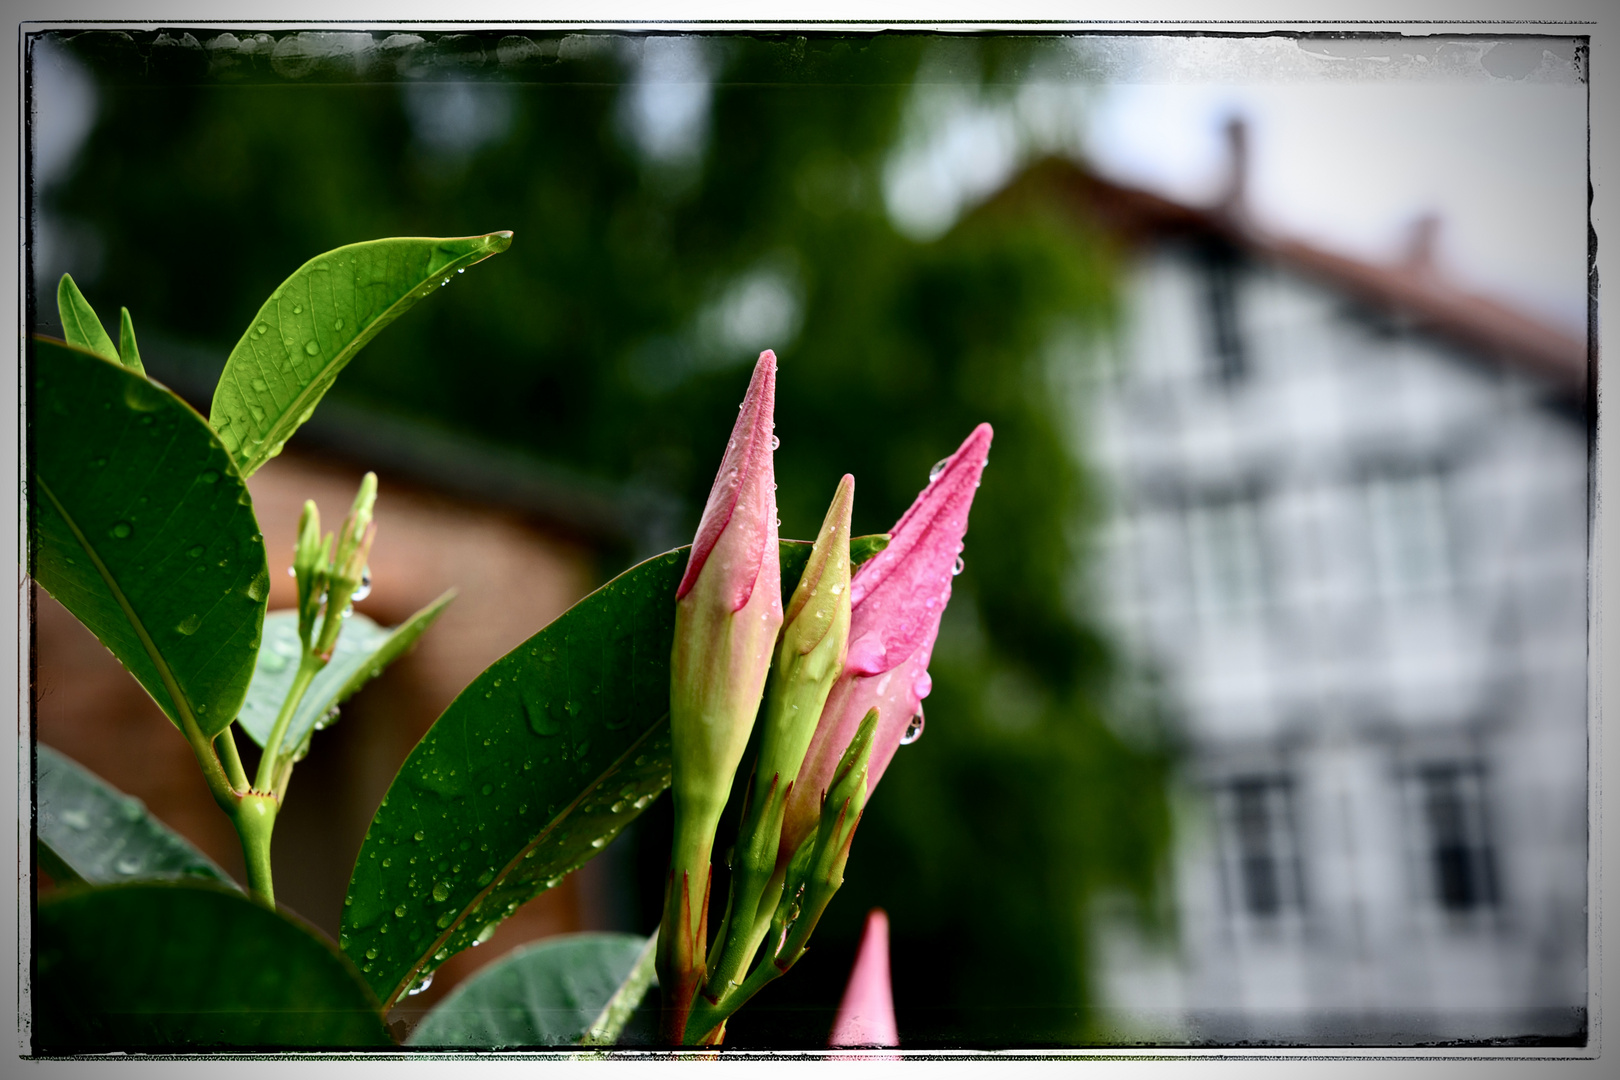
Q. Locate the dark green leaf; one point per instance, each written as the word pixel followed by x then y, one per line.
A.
pixel 862 548
pixel 144 531
pixel 363 650
pixel 128 352
pixel 95 833
pixel 175 966
pixel 80 326
pixel 547 994
pixel 313 325
pixel 534 767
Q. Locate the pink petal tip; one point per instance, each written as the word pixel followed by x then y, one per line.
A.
pixel 866 1014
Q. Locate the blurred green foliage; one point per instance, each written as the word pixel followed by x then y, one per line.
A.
pixel 614 338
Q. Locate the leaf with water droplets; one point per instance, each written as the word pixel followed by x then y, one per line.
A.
pixel 314 323
pixel 548 994
pixel 87 830
pixel 207 968
pixel 568 733
pixel 363 650
pixel 127 480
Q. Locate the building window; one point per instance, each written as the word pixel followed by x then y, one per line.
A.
pixel 1223 335
pixel 1411 540
pixel 1228 567
pixel 1262 853
pixel 1462 873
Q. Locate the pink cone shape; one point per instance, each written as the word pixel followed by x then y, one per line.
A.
pixel 897 598
pixel 866 1014
pixel 745 487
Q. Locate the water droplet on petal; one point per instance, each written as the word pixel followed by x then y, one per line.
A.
pixel 914 729
pixel 776 444
pixel 938 469
pixel 959 567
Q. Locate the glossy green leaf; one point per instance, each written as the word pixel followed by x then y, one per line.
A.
pixel 363 650
pixel 186 966
pixel 80 325
pixel 315 322
pixel 90 831
pixel 529 773
pixel 128 352
pixel 143 530
pixel 548 994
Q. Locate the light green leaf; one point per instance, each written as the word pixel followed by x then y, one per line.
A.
pixel 529 773
pixel 313 325
pixel 90 831
pixel 128 353
pixel 547 994
pixel 363 650
pixel 144 531
pixel 165 966
pixel 80 326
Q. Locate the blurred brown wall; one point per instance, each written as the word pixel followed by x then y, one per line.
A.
pixel 511 578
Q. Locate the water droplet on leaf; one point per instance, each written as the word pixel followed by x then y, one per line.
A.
pixel 121 530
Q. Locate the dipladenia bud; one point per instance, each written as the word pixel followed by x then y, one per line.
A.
pixel 727 614
pixel 808 660
pixel 897 598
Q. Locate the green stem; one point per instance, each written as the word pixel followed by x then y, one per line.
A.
pixel 255 820
pixel 232 760
pixel 270 763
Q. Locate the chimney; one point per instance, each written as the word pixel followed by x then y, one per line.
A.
pixel 1420 244
pixel 1234 200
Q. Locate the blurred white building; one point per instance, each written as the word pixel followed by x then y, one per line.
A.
pixel 1348 542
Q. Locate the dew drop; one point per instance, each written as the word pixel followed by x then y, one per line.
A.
pixel 194 552
pixel 371 954
pixel 914 729
pixel 599 842
pixel 399 912
pixel 420 835
pixel 485 934
pixel 776 444
pixel 441 891
pixel 338 325
pixel 426 981
pixel 938 470
pixel 189 625
pixel 311 348
pixel 129 864
pixel 262 328
pixel 77 820
pixel 258 413
pixel 258 587
pixel 364 588
pixel 121 530
pixel 445 920
pixel 298 309
pixel 260 384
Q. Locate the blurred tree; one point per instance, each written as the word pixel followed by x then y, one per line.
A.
pixel 678 204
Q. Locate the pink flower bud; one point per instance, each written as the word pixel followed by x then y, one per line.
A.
pixel 897 598
pixel 866 1014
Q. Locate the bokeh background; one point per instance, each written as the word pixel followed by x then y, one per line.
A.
pixel 933 232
